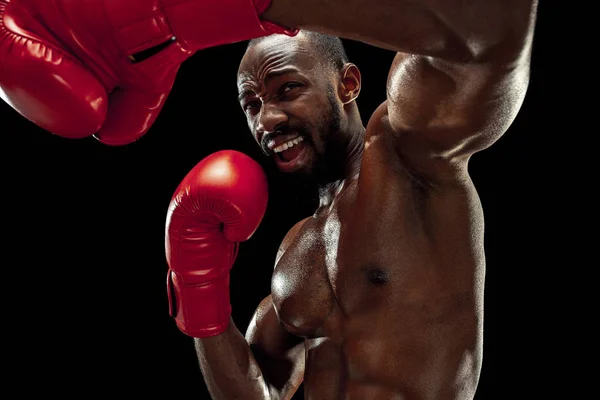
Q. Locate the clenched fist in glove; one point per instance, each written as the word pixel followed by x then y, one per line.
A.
pixel 105 67
pixel 219 204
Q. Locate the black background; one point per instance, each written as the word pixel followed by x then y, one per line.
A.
pixel 84 266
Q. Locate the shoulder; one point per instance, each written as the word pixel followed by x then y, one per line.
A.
pixel 289 238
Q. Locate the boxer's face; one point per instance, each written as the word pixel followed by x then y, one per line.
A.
pixel 290 102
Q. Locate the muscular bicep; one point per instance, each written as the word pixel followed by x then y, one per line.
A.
pixel 279 354
pixel 439 110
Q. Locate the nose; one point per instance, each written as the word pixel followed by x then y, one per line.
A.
pixel 270 118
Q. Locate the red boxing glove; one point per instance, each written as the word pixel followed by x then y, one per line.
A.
pixel 106 67
pixel 218 204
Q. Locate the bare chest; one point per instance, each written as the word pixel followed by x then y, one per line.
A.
pixel 351 264
pixel 345 260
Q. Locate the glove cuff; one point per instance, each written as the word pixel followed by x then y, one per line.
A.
pixel 200 310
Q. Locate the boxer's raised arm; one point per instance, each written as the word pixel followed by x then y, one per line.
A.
pixel 455 30
pixel 459 78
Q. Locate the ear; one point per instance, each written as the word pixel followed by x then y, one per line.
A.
pixel 350 83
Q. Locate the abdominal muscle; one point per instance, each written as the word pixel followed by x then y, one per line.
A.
pixel 375 366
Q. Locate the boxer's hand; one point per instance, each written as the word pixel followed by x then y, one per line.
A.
pixel 78 68
pixel 218 204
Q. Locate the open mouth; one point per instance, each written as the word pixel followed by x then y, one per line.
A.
pixel 289 150
pixel 289 154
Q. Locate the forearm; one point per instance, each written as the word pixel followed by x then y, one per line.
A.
pixel 229 368
pixel 456 30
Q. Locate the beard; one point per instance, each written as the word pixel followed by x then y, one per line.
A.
pixel 329 162
pixel 329 156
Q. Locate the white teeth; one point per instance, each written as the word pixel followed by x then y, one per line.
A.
pixel 288 144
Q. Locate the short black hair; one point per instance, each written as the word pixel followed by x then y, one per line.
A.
pixel 329 48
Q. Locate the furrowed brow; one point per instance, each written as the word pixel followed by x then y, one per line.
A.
pixel 270 76
pixel 245 93
pixel 277 73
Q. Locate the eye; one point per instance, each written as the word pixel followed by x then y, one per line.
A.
pixel 289 86
pixel 251 105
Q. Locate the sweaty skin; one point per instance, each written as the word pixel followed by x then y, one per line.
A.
pixel 379 294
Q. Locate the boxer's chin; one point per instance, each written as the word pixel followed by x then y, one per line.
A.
pixel 293 159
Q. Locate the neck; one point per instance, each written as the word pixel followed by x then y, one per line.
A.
pixel 351 159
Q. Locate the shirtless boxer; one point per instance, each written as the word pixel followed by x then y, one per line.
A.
pixel 379 294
